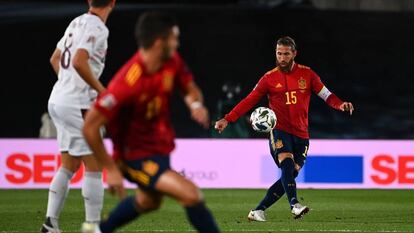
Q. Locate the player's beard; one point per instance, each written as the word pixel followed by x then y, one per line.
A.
pixel 287 66
pixel 166 53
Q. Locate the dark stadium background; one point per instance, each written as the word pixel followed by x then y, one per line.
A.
pixel 364 56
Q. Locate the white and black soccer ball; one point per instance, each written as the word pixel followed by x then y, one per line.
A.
pixel 263 119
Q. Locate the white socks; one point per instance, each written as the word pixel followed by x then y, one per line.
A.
pixel 58 192
pixel 93 192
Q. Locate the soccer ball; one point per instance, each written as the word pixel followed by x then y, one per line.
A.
pixel 263 119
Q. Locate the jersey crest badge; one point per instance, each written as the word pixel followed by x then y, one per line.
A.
pixel 302 83
pixel 150 167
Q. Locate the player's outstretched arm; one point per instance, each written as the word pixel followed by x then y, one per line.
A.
pixel 194 102
pixel 91 130
pixel 347 107
pixel 221 125
pixel 332 100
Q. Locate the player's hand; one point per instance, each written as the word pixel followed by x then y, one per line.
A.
pixel 347 107
pixel 221 125
pixel 200 115
pixel 114 179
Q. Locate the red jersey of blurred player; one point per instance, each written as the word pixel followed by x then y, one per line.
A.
pixel 137 107
pixel 289 95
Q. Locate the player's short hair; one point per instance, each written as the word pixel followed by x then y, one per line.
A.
pixel 287 41
pixel 100 3
pixel 152 26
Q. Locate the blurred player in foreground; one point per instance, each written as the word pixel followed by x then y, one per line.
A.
pixel 136 109
pixel 78 60
pixel 288 88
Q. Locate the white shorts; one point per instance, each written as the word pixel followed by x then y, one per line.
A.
pixel 69 123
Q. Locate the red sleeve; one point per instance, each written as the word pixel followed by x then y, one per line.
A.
pixel 317 84
pixel 334 102
pixel 249 102
pixel 318 87
pixel 184 75
pixel 121 90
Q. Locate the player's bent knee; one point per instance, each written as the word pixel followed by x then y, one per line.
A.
pixel 192 197
pixel 146 206
pixel 93 168
pixel 150 207
pixel 72 165
pixel 295 174
pixel 283 156
pixel 91 164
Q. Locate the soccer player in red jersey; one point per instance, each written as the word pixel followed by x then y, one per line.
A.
pixel 288 88
pixel 136 110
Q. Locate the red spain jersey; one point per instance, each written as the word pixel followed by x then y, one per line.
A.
pixel 289 95
pixel 137 105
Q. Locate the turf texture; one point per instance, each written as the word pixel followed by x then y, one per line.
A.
pixel 331 211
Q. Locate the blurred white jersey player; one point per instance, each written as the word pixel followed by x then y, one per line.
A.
pixel 78 60
pixel 89 33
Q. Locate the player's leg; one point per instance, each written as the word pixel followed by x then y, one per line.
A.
pixel 279 141
pixel 284 149
pixel 59 187
pixel 186 192
pixel 144 173
pixel 301 147
pixel 131 208
pixel 92 189
pixel 272 195
pixel 287 165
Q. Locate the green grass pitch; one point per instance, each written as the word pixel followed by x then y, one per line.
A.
pixel 331 211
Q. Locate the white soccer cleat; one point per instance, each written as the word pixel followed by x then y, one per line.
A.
pixel 299 210
pixel 88 227
pixel 49 227
pixel 256 215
